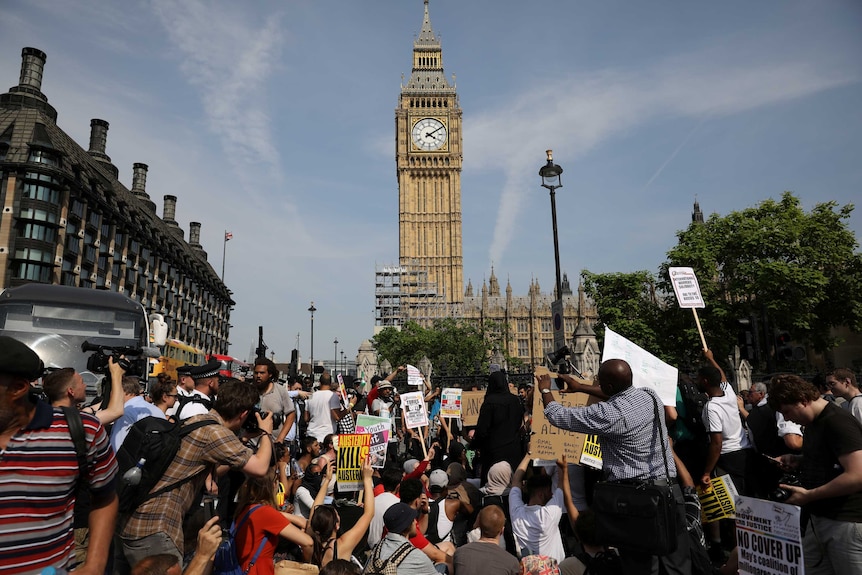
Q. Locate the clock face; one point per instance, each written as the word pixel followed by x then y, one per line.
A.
pixel 429 134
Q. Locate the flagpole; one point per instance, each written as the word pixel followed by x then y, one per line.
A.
pixel 223 253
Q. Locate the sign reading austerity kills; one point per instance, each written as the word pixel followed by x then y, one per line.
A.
pixel 352 450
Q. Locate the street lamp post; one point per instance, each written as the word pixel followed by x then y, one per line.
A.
pixel 335 362
pixel 550 173
pixel 311 310
pixel 343 362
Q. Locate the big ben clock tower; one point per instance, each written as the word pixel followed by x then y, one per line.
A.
pixel 428 159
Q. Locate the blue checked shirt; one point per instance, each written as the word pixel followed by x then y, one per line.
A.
pixel 626 427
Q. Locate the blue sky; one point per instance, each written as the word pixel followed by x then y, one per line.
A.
pixel 275 120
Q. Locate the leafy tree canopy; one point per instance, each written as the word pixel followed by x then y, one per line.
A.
pixel 455 347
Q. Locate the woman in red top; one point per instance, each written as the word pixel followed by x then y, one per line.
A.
pixel 265 522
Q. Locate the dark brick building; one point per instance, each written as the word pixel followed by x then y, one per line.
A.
pixel 67 219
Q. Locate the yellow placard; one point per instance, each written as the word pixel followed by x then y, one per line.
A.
pixel 591 454
pixel 717 501
pixel 352 450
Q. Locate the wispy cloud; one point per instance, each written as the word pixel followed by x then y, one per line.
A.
pixel 581 112
pixel 673 155
pixel 230 58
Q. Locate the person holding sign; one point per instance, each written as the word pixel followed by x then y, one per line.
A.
pixel 626 428
pixel 496 437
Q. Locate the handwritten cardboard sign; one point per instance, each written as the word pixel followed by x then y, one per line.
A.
pixel 471 403
pixel 550 442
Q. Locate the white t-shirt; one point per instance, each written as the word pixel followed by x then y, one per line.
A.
pixel 721 415
pixel 382 502
pixel 854 406
pixel 784 427
pixel 320 423
pixel 193 408
pixel 536 527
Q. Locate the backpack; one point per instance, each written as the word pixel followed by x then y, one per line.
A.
pixel 388 566
pixel 603 563
pixel 156 441
pixel 226 561
pixel 79 439
pixel 694 401
pixel 183 400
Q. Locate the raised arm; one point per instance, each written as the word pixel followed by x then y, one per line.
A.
pixel 351 538
pixel 707 353
pixel 518 476
pixel 321 493
pixel 114 410
pixel 571 510
pixel 573 385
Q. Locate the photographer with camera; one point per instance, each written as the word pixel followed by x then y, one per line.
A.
pixel 66 388
pixel 274 398
pixel 830 473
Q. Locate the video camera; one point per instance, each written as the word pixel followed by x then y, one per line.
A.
pixel 560 361
pixel 98 361
pixel 250 423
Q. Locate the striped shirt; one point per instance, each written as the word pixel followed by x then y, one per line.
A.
pixel 38 483
pixel 201 450
pixel 626 427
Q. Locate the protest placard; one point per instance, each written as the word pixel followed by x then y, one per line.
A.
pixel 414 409
pixel 378 428
pixel 414 376
pixel 591 454
pixel 352 451
pixel 471 403
pixel 686 288
pixel 768 537
pixel 717 501
pixel 647 369
pixel 450 403
pixel 549 442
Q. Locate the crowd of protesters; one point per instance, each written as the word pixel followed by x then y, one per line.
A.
pixel 455 499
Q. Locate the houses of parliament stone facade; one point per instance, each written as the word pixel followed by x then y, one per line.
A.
pixel 428 281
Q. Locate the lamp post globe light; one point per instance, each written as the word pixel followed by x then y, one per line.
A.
pixel 335 362
pixel 550 174
pixel 343 362
pixel 311 310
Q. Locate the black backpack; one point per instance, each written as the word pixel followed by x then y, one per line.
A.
pixel 156 441
pixel 694 401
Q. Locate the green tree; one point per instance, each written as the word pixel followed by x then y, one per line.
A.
pixel 455 347
pixel 628 304
pixel 801 269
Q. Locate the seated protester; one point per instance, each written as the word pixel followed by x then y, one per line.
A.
pixel 324 523
pixel 450 510
pixel 536 523
pixel 394 548
pixel 315 474
pixel 390 481
pixel 412 492
pixel 496 492
pixel 595 556
pixel 259 534
pixel 485 555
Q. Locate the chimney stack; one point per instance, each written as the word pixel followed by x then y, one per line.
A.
pixel 169 215
pixel 32 66
pixel 28 92
pixel 98 138
pixel 98 144
pixel 195 235
pixel 139 185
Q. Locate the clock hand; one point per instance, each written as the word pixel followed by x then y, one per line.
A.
pixel 435 131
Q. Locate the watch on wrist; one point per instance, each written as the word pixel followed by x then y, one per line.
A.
pixel 548 390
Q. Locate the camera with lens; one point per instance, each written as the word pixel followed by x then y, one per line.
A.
pixel 250 423
pixel 780 494
pixel 133 364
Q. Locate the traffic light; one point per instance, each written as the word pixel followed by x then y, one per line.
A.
pixel 747 339
pixel 783 349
